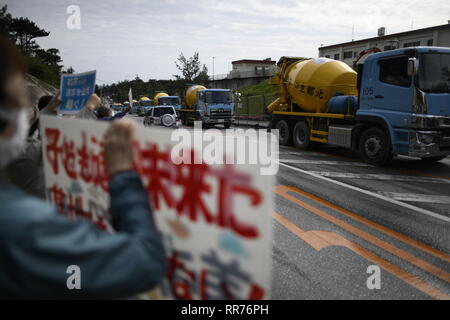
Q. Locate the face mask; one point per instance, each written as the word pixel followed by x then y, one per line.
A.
pixel 11 147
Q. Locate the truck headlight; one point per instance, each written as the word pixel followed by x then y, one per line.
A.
pixel 425 138
pixel 426 121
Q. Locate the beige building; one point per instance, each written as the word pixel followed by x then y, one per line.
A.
pixel 248 68
pixel 246 73
pixel 438 36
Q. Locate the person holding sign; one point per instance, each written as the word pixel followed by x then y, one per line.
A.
pixel 39 248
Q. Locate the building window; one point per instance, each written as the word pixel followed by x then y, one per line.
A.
pixel 355 54
pixel 394 71
pixel 411 44
pixel 337 56
pixel 430 43
pixel 348 54
pixel 387 48
pixel 327 56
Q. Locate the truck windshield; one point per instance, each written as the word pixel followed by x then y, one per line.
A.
pixel 434 73
pixel 146 103
pixel 169 101
pixel 218 97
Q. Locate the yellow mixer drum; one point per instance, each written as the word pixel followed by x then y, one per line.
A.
pixel 157 96
pixel 312 83
pixel 191 94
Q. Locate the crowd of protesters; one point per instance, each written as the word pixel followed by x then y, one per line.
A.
pixel 37 244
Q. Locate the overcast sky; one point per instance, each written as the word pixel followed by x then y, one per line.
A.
pixel 122 38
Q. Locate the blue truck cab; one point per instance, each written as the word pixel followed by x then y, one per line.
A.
pixel 215 106
pixel 404 105
pixel 144 107
pixel 135 107
pixel 173 101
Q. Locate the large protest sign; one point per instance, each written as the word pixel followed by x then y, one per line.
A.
pixel 215 219
pixel 75 91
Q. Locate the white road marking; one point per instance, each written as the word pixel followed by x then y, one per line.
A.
pixel 388 177
pixel 412 197
pixel 325 162
pixel 370 193
pixel 299 153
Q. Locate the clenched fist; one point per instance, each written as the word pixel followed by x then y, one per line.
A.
pixel 118 145
pixel 93 102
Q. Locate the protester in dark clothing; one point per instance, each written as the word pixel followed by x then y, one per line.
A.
pixel 103 112
pixel 27 170
pixel 37 244
pixel 44 101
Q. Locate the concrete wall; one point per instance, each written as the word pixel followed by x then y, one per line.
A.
pixel 236 83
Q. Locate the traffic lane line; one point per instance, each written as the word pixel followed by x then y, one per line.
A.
pixel 324 162
pixel 412 191
pixel 284 191
pixel 379 176
pixel 414 197
pixel 392 190
pixel 389 232
pixel 372 194
pixel 425 192
pixel 357 160
pixel 393 186
pixel 322 239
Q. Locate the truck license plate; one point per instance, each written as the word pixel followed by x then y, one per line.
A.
pixel 221 120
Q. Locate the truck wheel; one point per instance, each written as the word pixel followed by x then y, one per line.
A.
pixel 284 131
pixel 434 159
pixel 301 135
pixel 374 146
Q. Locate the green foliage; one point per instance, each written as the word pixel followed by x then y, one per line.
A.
pixel 43 64
pixel 40 70
pixel 264 88
pixel 5 22
pixel 119 91
pixel 256 98
pixel 191 70
pixel 23 32
pixel 69 70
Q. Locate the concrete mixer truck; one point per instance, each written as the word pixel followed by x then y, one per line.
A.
pixel 163 99
pixel 211 106
pixel 397 104
pixel 145 104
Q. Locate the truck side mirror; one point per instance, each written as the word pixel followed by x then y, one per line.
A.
pixel 413 67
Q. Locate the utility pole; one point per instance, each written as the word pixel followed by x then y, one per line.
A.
pixel 213 58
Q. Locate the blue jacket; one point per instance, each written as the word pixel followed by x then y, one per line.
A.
pixel 37 245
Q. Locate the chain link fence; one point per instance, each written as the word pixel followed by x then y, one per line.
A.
pixel 250 111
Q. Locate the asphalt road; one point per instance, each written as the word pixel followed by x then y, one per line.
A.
pixel 335 217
